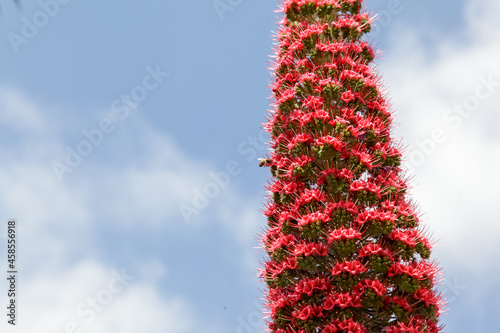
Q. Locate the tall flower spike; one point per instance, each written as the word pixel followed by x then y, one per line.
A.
pixel 346 252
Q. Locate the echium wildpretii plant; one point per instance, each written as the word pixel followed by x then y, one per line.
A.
pixel 346 253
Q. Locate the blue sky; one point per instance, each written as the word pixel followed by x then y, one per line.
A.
pixel 163 101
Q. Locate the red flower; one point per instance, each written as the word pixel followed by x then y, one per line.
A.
pixel 344 234
pixel 309 286
pixel 322 115
pixel 284 216
pixel 407 237
pixel 402 328
pixel 308 77
pixel 309 249
pixel 291 77
pixel 290 187
pixel 287 95
pixel 313 29
pixel 270 210
pixel 297 45
pixel 377 286
pixel 365 158
pixel 289 263
pixel 351 326
pixel 420 270
pixel 427 296
pixel 304 314
pixel 283 240
pixel 346 22
pixel 312 195
pixel 351 267
pixel 347 96
pixel 348 74
pixel 329 304
pixel 314 102
pixel 308 312
pixel 313 217
pixel 330 328
pixel 336 143
pixel 369 250
pixel 371 215
pixel 343 300
pixel 357 186
pixel 333 47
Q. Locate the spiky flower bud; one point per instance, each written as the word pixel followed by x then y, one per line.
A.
pixel 346 253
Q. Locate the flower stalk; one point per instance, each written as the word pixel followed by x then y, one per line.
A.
pixel 346 252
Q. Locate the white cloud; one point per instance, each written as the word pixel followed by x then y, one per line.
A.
pixel 456 185
pixel 19 113
pixel 91 298
pixel 241 218
pixel 58 220
pixel 137 191
pixel 142 309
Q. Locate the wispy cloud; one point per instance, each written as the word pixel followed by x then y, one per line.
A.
pixel 434 82
pixel 457 182
pixel 64 286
